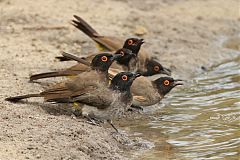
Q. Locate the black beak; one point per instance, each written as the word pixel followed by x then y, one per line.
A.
pixel 177 82
pixel 116 57
pixel 140 41
pixel 166 71
pixel 136 75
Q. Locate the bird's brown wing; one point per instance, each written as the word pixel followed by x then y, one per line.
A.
pixel 100 97
pixel 79 85
pixel 108 42
pixel 144 93
pixel 77 69
pixel 89 57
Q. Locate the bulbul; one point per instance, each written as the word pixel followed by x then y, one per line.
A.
pixel 101 102
pixel 123 56
pixel 113 43
pixel 88 80
pixel 97 73
pixel 133 44
pixel 112 102
pixel 110 43
pixel 146 92
pixel 152 66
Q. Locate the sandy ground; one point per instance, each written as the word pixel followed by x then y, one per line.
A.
pixel 185 35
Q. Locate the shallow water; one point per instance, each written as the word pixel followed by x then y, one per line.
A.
pixel 198 121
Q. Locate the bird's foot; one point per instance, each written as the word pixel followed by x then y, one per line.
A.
pixel 93 121
pixel 136 108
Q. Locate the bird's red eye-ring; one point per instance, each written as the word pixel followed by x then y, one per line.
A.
pixel 130 42
pixel 104 58
pixel 124 77
pixel 156 68
pixel 166 82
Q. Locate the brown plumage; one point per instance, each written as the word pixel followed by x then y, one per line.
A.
pixel 99 101
pixel 97 73
pixel 112 43
pixel 132 44
pixel 83 66
pixel 146 92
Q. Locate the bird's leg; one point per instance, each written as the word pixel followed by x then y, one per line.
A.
pixel 92 121
pixel 110 122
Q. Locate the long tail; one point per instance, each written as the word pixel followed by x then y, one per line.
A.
pixel 76 58
pixel 18 98
pixel 84 27
pixel 61 58
pixel 48 75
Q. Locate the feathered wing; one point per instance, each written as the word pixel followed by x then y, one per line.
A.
pixel 144 94
pixel 100 97
pixel 80 85
pixel 77 69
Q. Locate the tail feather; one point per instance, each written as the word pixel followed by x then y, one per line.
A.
pixel 48 75
pixel 18 98
pixel 84 27
pixel 61 58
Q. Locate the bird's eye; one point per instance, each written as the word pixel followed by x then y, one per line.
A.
pixel 124 77
pixel 130 42
pixel 166 82
pixel 156 68
pixel 122 53
pixel 104 58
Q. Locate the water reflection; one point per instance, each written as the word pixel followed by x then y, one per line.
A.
pixel 200 121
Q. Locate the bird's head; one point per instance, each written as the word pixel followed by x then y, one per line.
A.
pixel 153 67
pixel 166 84
pixel 133 44
pixel 123 81
pixel 126 56
pixel 103 61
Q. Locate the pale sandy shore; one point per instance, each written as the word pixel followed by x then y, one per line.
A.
pixel 185 35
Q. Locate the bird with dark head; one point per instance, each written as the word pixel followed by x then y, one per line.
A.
pixel 153 67
pixel 127 55
pixel 129 61
pixel 111 103
pixel 112 43
pixel 100 62
pixel 166 84
pixel 133 44
pixel 122 63
pixel 97 73
pixel 147 93
pixel 99 100
pixel 123 81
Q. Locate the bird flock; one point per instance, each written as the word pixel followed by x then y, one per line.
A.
pixel 106 85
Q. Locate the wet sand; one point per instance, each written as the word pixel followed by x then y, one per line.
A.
pixel 186 36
